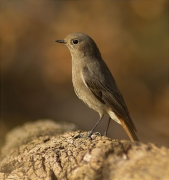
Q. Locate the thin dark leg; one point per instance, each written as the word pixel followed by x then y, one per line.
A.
pixel 107 127
pixel 91 132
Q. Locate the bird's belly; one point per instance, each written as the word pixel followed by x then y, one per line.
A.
pixel 88 98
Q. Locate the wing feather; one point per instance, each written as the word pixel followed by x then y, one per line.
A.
pixel 108 96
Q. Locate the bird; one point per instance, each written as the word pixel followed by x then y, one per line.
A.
pixel 95 85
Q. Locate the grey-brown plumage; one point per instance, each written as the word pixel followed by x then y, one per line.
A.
pixel 94 84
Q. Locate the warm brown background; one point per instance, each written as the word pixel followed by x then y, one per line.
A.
pixel 133 37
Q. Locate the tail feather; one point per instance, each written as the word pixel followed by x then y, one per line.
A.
pixel 129 130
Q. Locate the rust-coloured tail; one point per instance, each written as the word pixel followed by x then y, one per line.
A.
pixel 129 130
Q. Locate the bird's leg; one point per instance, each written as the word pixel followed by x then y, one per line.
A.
pixel 107 127
pixel 91 132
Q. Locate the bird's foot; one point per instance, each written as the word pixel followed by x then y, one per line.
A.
pixel 90 133
pixel 105 134
pixel 98 133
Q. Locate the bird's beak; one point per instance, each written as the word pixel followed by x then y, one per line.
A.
pixel 61 41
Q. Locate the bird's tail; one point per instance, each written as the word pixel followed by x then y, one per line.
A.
pixel 129 130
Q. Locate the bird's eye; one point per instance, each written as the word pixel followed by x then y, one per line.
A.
pixel 75 41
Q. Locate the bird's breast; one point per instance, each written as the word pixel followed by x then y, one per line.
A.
pixel 85 94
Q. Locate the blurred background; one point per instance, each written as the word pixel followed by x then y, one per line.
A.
pixel 133 37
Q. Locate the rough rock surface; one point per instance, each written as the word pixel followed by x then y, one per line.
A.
pixel 52 151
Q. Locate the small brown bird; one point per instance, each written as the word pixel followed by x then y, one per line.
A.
pixel 94 84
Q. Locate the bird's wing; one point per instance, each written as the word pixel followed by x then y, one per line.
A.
pixel 107 95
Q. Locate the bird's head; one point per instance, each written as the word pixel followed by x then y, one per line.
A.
pixel 80 44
